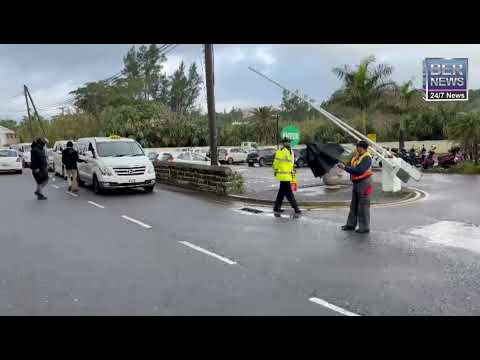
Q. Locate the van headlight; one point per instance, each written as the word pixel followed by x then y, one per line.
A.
pixel 106 171
pixel 150 169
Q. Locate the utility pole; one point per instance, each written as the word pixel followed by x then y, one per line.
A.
pixel 210 84
pixel 28 112
pixel 276 134
pixel 35 110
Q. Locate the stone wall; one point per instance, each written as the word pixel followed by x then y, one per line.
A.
pixel 215 179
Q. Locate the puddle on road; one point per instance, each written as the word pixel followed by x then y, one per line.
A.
pixel 451 233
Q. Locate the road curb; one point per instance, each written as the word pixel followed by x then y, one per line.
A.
pixel 415 195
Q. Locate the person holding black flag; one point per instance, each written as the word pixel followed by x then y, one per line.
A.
pixel 360 171
pixel 39 166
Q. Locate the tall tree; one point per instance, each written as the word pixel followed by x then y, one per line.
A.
pixel 294 108
pixel 143 71
pixel 363 87
pixel 9 124
pixel 406 93
pixel 264 121
pixel 184 90
pixel 465 127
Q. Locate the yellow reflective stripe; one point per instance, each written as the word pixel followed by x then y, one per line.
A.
pixel 284 172
pixel 283 160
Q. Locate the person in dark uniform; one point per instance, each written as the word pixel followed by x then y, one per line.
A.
pixel 39 166
pixel 360 171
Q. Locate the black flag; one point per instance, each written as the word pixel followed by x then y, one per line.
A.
pixel 322 157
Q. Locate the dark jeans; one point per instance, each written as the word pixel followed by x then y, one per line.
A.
pixel 41 178
pixel 285 190
pixel 360 205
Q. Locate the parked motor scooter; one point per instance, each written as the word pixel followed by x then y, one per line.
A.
pixel 429 160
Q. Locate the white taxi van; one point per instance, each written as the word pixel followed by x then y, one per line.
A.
pixel 24 152
pixel 114 162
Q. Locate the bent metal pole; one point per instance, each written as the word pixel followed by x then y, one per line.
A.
pixel 382 153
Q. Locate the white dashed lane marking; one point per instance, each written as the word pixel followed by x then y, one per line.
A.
pixel 198 248
pixel 55 186
pixel 96 205
pixel 332 307
pixel 146 226
pixel 72 194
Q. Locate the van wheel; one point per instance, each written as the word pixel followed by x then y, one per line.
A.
pixel 81 183
pixel 96 186
pixel 230 161
pixel 149 189
pixel 261 162
pixel 300 163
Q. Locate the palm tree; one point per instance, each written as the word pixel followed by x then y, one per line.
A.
pixel 466 128
pixel 264 121
pixel 364 86
pixel 406 93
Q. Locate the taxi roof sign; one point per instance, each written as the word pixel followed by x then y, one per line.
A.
pixel 114 137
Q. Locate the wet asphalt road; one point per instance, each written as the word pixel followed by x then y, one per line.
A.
pixel 204 256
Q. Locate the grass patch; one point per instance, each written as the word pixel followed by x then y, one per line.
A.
pixel 466 168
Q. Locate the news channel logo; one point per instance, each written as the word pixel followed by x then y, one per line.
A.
pixel 445 79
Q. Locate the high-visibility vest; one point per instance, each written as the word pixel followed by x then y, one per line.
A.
pixel 283 165
pixel 356 160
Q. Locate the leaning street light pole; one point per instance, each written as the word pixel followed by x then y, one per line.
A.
pixel 276 136
pixel 210 84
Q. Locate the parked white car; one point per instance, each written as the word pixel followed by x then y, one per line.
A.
pixel 114 163
pixel 10 161
pixel 190 157
pixel 232 155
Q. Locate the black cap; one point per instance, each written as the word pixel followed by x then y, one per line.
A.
pixel 286 139
pixel 69 144
pixel 362 144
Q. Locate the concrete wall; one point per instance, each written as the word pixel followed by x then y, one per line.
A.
pixel 215 179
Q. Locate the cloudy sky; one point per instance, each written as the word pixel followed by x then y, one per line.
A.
pixel 51 71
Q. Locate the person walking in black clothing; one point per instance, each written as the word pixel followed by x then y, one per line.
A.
pixel 70 160
pixel 39 166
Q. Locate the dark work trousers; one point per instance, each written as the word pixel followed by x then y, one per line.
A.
pixel 360 205
pixel 285 190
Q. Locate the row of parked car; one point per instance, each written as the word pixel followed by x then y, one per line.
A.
pixel 228 156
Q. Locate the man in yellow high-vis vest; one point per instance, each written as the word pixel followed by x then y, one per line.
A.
pixel 283 168
pixel 360 171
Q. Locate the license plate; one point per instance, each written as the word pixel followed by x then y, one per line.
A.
pixel 131 181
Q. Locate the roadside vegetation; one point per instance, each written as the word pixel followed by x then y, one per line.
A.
pixel 142 102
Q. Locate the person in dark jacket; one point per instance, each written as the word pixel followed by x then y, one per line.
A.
pixel 39 166
pixel 70 160
pixel 360 171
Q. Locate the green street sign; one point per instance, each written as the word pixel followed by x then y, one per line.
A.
pixel 291 132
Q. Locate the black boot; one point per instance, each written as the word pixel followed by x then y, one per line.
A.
pixel 347 228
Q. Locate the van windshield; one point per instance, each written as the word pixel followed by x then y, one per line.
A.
pixel 119 149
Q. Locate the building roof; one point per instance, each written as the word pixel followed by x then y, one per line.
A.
pixel 6 131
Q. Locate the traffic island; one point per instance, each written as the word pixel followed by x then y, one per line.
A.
pixel 331 196
pixel 219 180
